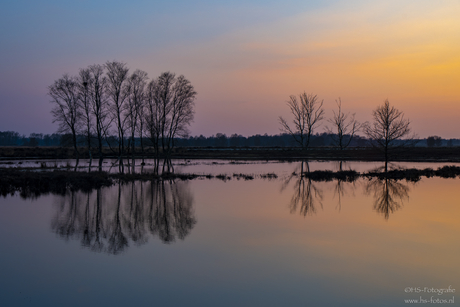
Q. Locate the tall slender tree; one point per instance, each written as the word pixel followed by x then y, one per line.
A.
pixel 153 116
pixel 85 84
pixel 344 127
pixel 117 77
pixel 99 105
pixel 136 101
pixel 65 96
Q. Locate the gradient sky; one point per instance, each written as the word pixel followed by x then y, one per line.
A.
pixel 244 57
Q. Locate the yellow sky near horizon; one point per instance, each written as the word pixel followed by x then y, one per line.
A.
pixel 411 57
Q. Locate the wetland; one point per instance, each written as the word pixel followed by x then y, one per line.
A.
pixel 227 232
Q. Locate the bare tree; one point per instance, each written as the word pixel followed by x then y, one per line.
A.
pixel 117 76
pixel 175 102
pixel 99 105
pixel 85 84
pixel 388 129
pixel 153 115
pixel 344 127
pixel 307 115
pixel 135 106
pixel 65 95
pixel 182 109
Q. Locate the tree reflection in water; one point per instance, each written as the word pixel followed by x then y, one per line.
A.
pixel 340 189
pixel 105 221
pixel 306 194
pixel 389 194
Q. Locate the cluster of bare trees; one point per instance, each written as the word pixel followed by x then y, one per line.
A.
pixel 308 113
pixel 386 132
pixel 106 100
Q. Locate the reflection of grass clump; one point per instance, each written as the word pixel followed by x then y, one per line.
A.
pixel 223 177
pixel 243 176
pixel 448 171
pixel 348 176
pixel 415 175
pixel 269 176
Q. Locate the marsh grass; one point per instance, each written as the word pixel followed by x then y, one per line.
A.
pixel 30 182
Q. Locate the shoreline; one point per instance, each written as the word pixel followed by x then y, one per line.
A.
pixel 414 154
pixel 32 183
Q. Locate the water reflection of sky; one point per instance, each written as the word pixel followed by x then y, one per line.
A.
pixel 248 247
pixel 216 167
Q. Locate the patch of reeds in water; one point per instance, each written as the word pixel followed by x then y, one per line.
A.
pixel 32 183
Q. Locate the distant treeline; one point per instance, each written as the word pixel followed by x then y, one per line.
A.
pixel 11 138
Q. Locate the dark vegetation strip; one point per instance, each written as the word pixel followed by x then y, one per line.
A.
pixel 412 174
pixel 416 154
pixel 34 183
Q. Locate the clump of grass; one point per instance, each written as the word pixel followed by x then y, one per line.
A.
pixel 415 175
pixel 32 184
pixel 243 176
pixel 269 176
pixel 348 176
pixel 223 177
pixel 448 171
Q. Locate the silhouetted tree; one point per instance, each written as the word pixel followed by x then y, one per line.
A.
pixel 432 141
pixel 344 127
pixel 10 138
pixel 99 105
pixel 136 103
pixel 85 84
pixel 388 128
pixel 221 140
pixel 171 102
pixel 117 76
pixel 153 114
pixel 307 115
pixel 65 97
pixel 235 140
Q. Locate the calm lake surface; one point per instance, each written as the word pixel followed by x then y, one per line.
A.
pixel 282 241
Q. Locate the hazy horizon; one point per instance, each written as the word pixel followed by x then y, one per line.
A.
pixel 243 58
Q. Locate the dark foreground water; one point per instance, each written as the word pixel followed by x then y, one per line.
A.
pixel 264 242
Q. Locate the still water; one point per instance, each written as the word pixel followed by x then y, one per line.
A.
pixel 282 241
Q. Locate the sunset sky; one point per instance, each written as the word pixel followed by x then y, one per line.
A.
pixel 244 57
